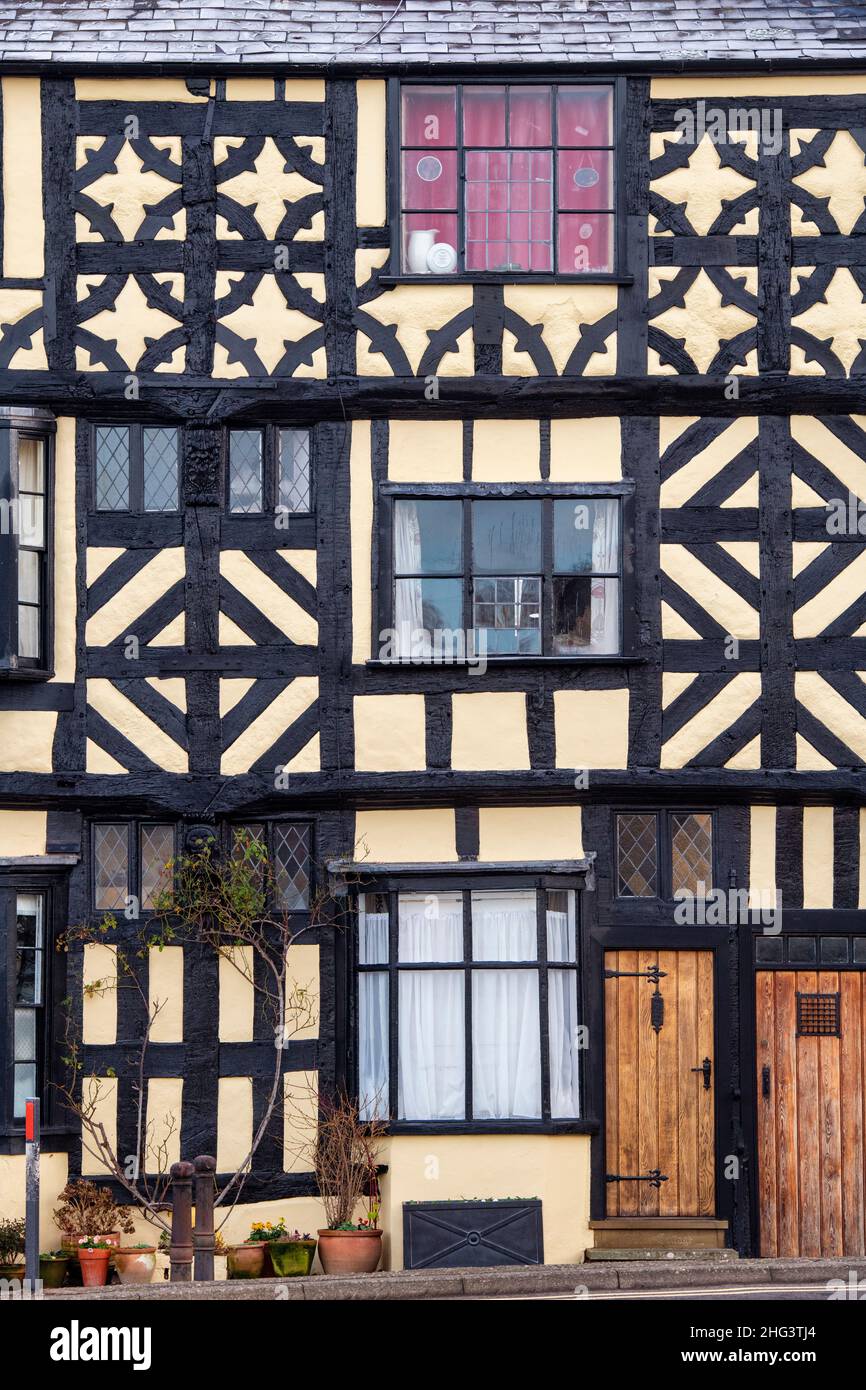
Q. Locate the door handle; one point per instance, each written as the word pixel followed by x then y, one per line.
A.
pixel 765 1082
pixel 707 1068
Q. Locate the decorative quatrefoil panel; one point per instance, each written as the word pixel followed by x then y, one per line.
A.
pixel 270 188
pixel 128 190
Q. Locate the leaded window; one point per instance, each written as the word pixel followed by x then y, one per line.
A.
pixel 287 848
pixel 132 864
pixel 661 854
pixel 137 468
pixel 270 470
pixel 25 541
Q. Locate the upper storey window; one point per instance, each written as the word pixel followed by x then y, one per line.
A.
pixel 270 470
pixel 509 179
pixel 137 468
pixel 25 551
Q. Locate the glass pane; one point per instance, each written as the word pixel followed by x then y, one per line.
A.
pixel 28 910
pixel 245 471
pixel 25 1035
pixel 585 616
pixel 508 612
pixel 157 848
pixel 295 470
pixel 585 115
pixel 428 618
pixel 692 853
pixel 585 242
pixel 430 180
pixel 429 116
pixel 31 520
pixel 24 1087
pixel 28 952
pixel 529 116
pixel 111 866
pixel 373 929
pixel 28 576
pixel 430 927
pixel 564 1052
pixel 112 468
pixel 31 464
pixel 509 219
pixel 561 925
pixel 29 623
pixel 431 1045
pixel 637 855
pixel 430 249
pixel 484 115
pixel 428 537
pixel 504 926
pixel 160 469
pixel 292 865
pixel 586 536
pixel 506 537
pixel 585 180
pixel 373 1045
pixel 506 1045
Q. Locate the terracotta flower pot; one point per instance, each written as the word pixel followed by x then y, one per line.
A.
pixel 11 1271
pixel 350 1252
pixel 135 1265
pixel 52 1273
pixel 246 1261
pixel 71 1246
pixel 292 1257
pixel 94 1267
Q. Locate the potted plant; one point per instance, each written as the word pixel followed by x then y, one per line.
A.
pixel 290 1252
pixel 93 1257
pixel 11 1249
pixel 135 1263
pixel 345 1157
pixel 53 1265
pixel 246 1261
pixel 88 1210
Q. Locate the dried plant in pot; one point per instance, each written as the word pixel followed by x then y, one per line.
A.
pixel 12 1249
pixel 345 1158
pixel 87 1210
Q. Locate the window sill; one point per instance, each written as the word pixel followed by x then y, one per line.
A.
pixel 25 673
pixel 481 277
pixel 504 661
pixel 583 1126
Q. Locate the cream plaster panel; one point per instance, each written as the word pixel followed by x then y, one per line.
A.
pixel 762 853
pixel 521 834
pixel 299 1120
pixel 165 984
pixel 141 731
pixel 26 740
pixel 586 451
pixel 99 1096
pixel 22 833
pixel 237 996
pixel 164 1109
pixel 705 320
pixel 416 311
pixel 560 310
pixel 489 732
pixel 267 324
pixel 389 733
pixel 370 185
pixel 361 517
pixel 264 731
pixel 823 445
pixel 703 186
pixel 717 715
pixel 840 180
pixel 839 315
pixel 817 856
pixel 53 1174
pixel 832 710
pixel 367 260
pixel 307 759
pixel 836 596
pixel 303 994
pixel 234 1122
pixel 722 602
pixel 23 226
pixel 97 760
pixel 682 485
pixel 99 1000
pixel 134 89
pixel 425 451
pixel 250 89
pixel 65 607
pixel 406 836
pixel 278 606
pixel 507 451
pixel 130 323
pixel 781 85
pixel 591 728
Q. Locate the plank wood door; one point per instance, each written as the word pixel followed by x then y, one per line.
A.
pixel 659 1113
pixel 811 1096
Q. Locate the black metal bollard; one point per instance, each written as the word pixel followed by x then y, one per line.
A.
pixel 202 1235
pixel 181 1223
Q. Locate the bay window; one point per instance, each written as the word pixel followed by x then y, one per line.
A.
pixel 468 1006
pixel 25 528
pixel 32 986
pixel 527 576
pixel 508 178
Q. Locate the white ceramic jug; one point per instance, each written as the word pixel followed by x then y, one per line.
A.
pixel 420 243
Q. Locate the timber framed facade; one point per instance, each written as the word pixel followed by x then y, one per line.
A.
pixel 271 435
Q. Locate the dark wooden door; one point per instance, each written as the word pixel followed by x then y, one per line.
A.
pixel 812 1169
pixel 659 1100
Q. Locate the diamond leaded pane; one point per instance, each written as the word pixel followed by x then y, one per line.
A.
pixel 160 469
pixel 112 468
pixel 157 848
pixel 111 866
pixel 292 866
pixel 637 856
pixel 245 471
pixel 295 470
pixel 692 853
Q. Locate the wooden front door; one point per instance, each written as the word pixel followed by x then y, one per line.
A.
pixel 811 1057
pixel 660 1083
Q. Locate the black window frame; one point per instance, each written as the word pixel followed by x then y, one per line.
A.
pixel 270 437
pixel 134 859
pixel 541 884
pixel 52 885
pixel 384 601
pixel 269 823
pixel 395 272
pixel 13 427
pixel 664 850
pixel 136 506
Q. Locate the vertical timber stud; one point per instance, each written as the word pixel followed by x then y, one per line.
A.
pixel 181 1223
pixel 202 1236
pixel 31 1199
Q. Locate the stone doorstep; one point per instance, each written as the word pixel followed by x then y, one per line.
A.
pixel 709 1253
pixel 475 1283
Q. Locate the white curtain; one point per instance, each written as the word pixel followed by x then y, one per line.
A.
pixel 373 938
pixel 373 1044
pixel 408 605
pixel 431 1009
pixel 564 1055
pixel 561 942
pixel 503 926
pixel 604 611
pixel 506 1068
